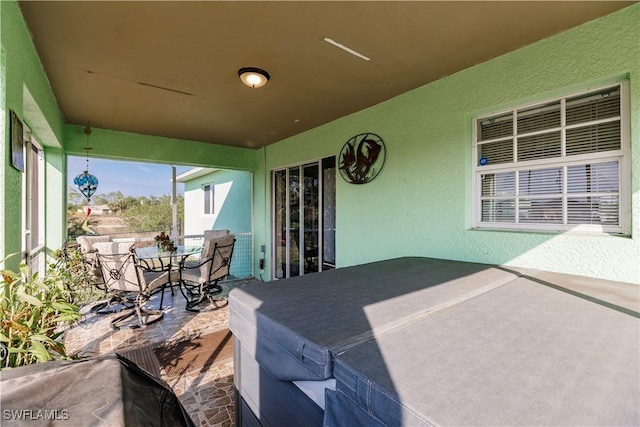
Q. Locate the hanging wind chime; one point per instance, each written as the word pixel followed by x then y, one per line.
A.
pixel 87 184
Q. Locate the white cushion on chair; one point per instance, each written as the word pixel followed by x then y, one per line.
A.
pixel 214 234
pixel 113 263
pixel 86 242
pixel 218 270
pixel 110 248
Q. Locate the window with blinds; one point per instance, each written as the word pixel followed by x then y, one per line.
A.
pixel 557 165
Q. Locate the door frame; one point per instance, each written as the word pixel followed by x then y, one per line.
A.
pixel 33 210
pixel 301 232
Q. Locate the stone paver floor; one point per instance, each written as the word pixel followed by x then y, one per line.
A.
pixel 207 396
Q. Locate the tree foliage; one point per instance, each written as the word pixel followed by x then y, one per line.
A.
pixel 75 200
pixel 153 213
pixel 139 213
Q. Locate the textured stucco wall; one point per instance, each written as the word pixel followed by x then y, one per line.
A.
pixel 25 90
pixel 4 148
pixel 232 202
pixel 420 204
pixel 117 145
pixel 56 197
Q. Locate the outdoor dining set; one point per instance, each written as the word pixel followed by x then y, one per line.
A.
pixel 131 270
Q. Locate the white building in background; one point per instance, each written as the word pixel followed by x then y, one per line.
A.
pixel 216 199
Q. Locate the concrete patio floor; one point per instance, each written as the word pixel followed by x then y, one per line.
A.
pixel 207 396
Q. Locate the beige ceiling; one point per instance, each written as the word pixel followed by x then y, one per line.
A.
pixel 170 68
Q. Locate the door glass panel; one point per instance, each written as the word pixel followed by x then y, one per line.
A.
pixel 294 221
pixel 328 213
pixel 280 223
pixel 311 218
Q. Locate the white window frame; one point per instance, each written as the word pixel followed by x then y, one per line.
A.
pixel 212 193
pixel 621 155
pixel 33 217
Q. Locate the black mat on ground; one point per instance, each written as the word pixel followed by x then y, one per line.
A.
pixel 200 353
pixel 145 358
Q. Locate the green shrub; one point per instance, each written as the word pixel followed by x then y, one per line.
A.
pixel 33 312
pixel 81 279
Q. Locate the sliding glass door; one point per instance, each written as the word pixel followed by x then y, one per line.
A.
pixel 304 218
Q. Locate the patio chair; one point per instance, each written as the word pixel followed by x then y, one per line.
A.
pixel 193 262
pixel 200 281
pixel 85 243
pixel 214 234
pixel 127 280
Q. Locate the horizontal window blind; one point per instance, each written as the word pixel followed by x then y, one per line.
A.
pixel 539 118
pixel 541 146
pixel 594 106
pixel 496 127
pixel 593 138
pixel 555 165
pixel 498 152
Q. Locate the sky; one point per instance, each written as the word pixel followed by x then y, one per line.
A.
pixel 130 178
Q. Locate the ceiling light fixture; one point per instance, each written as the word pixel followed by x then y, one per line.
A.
pixel 253 77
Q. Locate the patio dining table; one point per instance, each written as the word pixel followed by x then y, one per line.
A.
pixel 154 259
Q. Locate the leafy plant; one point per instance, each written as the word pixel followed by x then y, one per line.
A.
pixel 164 242
pixel 81 280
pixel 33 311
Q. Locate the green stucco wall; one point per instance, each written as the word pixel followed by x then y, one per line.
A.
pixel 420 204
pixel 117 145
pixel 25 89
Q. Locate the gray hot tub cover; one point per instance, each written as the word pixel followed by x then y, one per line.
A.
pixel 294 327
pixel 530 352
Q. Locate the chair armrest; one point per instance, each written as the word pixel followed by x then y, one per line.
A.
pixel 206 263
pixel 183 264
